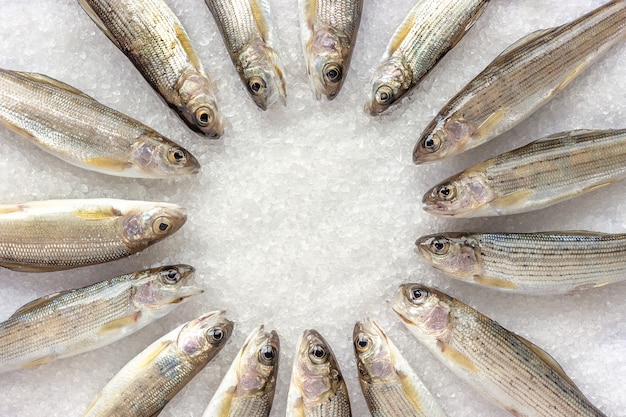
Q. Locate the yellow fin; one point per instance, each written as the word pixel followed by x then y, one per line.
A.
pixel 11 209
pixel 119 324
pixel 149 357
pixel 16 129
pixel 570 77
pixel 108 163
pixel 567 134
pixel 545 356
pixel 597 186
pixel 92 14
pixel 96 213
pixel 399 35
pixel 526 40
pixel 44 79
pixel 38 362
pixel 310 11
pixel 493 120
pixel 456 357
pixel 495 282
pixel 33 268
pixel 259 17
pixel 511 200
pixel 412 393
pixel 40 301
pixel 186 44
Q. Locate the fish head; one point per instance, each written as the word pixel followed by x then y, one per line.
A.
pixel 456 254
pixel 258 365
pixel 423 310
pixel 161 289
pixel 198 105
pixel 371 351
pixel 444 137
pixel 162 158
pixel 316 370
pixel 462 195
pixel 262 75
pixel 146 223
pixel 205 335
pixel 327 63
pixel 390 82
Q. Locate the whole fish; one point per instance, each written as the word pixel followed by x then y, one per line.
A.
pixel 152 37
pixel 317 387
pixel 328 30
pixel 504 367
pixel 247 29
pixel 535 263
pixel 149 381
pixel 75 321
pixel 430 30
pixel 520 80
pixel 390 386
pixel 72 126
pixel 540 174
pixel 62 234
pixel 248 388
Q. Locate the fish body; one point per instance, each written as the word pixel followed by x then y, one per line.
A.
pixel 430 30
pixel 72 126
pixel 509 370
pixel 533 263
pixel 153 38
pixel 71 322
pixel 328 30
pixel 540 174
pixel 248 388
pixel 520 80
pixel 62 234
pixel 149 381
pixel 247 29
pixel 317 386
pixel 390 386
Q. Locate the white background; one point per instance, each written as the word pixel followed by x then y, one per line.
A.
pixel 306 216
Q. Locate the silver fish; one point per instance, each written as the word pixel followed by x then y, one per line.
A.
pixel 534 263
pixel 149 381
pixel 520 80
pixel 62 234
pixel 390 386
pixel 504 367
pixel 247 29
pixel 75 321
pixel 540 174
pixel 152 37
pixel 317 387
pixel 248 388
pixel 430 30
pixel 329 29
pixel 72 126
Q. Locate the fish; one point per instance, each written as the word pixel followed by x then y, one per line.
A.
pixel 390 386
pixel 248 388
pixel 144 386
pixel 78 129
pixel 521 79
pixel 54 235
pixel 529 263
pixel 247 29
pixel 429 31
pixel 328 31
pixel 317 386
pixel 545 172
pixel 75 321
pixel 505 368
pixel 153 38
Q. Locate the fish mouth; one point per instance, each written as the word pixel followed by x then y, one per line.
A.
pixel 185 293
pixel 433 206
pixel 422 246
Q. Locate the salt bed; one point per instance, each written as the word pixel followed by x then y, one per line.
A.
pixel 306 216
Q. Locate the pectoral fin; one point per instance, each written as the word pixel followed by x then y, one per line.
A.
pixel 487 127
pixel 456 357
pixel 516 199
pixel 149 357
pixel 120 324
pixel 38 362
pixel 495 283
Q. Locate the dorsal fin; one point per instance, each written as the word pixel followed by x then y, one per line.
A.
pixel 566 134
pixel 526 40
pixel 44 79
pixel 96 19
pixel 36 303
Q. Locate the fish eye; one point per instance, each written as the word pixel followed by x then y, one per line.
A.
pixel 170 276
pixel 267 355
pixel 361 342
pixel 215 335
pixel 431 144
pixel 417 295
pixel 440 246
pixel 256 85
pixel 318 354
pixel 176 156
pixel 333 73
pixel 161 225
pixel 446 192
pixel 384 95
pixel 203 116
